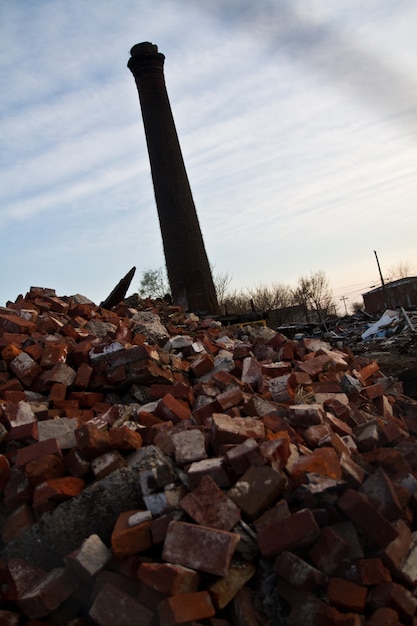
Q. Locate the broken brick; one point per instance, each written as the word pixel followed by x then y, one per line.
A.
pixel 199 547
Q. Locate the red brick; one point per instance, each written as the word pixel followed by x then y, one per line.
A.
pixel 291 533
pixel 37 450
pixel 346 595
pixel 199 547
pixel 18 414
pixel 54 353
pixel 232 396
pixel 306 414
pixel 381 493
pixel 235 430
pixel 394 596
pixel 298 572
pixel 10 352
pixel 127 540
pixel 213 467
pixel 25 368
pixel 4 471
pixel 361 511
pixel 92 441
pixel 43 468
pixel 323 461
pixel 107 463
pixel 171 409
pixel 329 550
pixel 257 489
pixel 245 609
pixel 223 590
pixel 48 593
pixel 21 575
pixel 238 457
pixel 83 376
pixel 384 617
pixel 168 578
pixel 114 606
pixel 314 366
pixel 48 494
pixel 372 571
pixel 15 324
pixel 75 464
pixel 17 490
pixel 330 616
pixel 124 438
pixel 208 505
pixel 186 607
pixel 16 522
pixel 368 370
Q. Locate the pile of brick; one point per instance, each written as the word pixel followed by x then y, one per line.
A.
pixel 189 473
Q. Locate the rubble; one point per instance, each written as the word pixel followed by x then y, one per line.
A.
pixel 158 468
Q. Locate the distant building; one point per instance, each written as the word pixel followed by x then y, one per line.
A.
pixel 401 292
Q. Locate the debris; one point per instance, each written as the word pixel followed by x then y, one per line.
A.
pixel 164 469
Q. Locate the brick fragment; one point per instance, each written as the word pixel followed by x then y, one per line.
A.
pixel 89 558
pixel 225 589
pixel 381 493
pixel 107 463
pixel 20 576
pixel 185 608
pixel 298 572
pixel 394 596
pixel 323 461
pixel 4 471
pixel 384 616
pixel 44 468
pixel 346 595
pixel 189 446
pixel 291 533
pixel 329 550
pixel 114 606
pixel 208 505
pixel 199 547
pixel 361 511
pixel 169 578
pixel 226 429
pixel 214 467
pixel 48 494
pixel 17 522
pixel 306 414
pixel 257 489
pixel 372 571
pixel 127 540
pixel 37 450
pixel 238 457
pixel 172 409
pixel 92 441
pixel 124 438
pixel 48 593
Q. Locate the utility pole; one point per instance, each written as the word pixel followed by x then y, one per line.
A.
pixel 387 300
pixel 187 264
pixel 344 298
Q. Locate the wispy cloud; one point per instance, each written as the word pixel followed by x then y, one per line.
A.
pixel 296 120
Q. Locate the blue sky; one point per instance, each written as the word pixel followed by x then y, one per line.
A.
pixel 297 121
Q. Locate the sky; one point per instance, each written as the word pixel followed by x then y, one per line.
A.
pixel 297 121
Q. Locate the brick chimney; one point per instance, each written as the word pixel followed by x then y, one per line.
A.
pixel 187 264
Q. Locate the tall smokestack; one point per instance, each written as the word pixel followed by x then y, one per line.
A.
pixel 187 264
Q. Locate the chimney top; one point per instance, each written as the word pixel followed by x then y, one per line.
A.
pixel 144 49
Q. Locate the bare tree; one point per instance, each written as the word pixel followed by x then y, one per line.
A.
pixel 222 282
pixel 401 270
pixel 313 292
